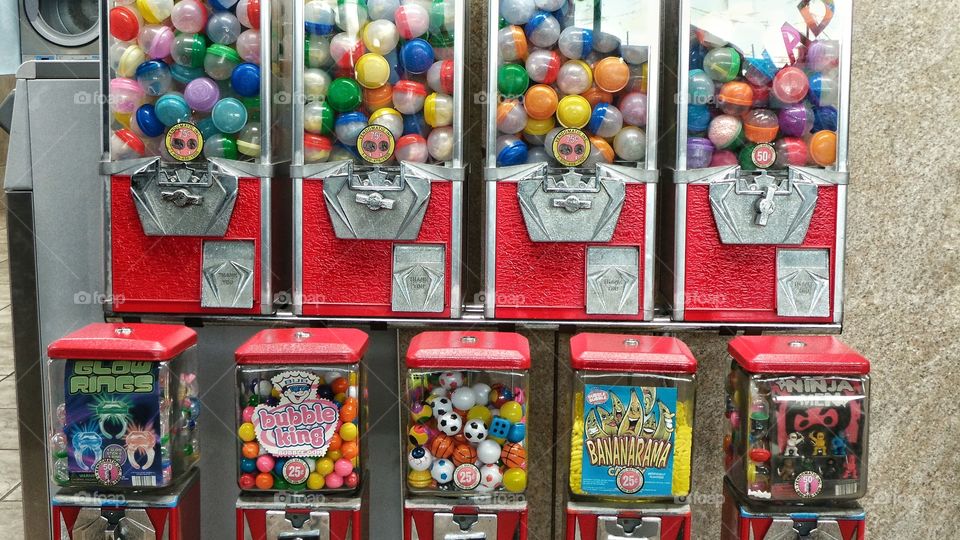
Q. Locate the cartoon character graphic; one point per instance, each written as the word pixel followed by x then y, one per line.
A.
pixel 296 387
pixel 618 409
pixel 609 423
pixel 819 440
pixel 592 425
pixel 793 442
pixel 635 418
pixel 141 441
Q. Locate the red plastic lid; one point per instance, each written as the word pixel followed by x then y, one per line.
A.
pixel 637 354
pixel 469 350
pixel 118 341
pixel 304 346
pixel 797 355
pixel 413 87
pixel 131 140
pixel 317 141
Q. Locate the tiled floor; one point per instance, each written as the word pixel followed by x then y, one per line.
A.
pixel 11 506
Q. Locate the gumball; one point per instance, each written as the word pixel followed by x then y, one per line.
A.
pixel 511 411
pixel 219 145
pixel 541 102
pixel 229 115
pixel 698 118
pixel 343 467
pixel 380 36
pixel 510 151
pixel 442 470
pixel 515 480
pixel 412 20
pixel 265 463
pixel 250 450
pixel 512 44
pixel 246 432
pixel 248 465
pixel 372 70
pixel 824 119
pixel 450 423
pixel 349 432
pixel 223 27
pixel 722 64
pixel 156 41
pixel 172 108
pixel 390 119
pixel 320 17
pixel 245 80
pixel 125 23
pixel 154 77
pixel 440 144
pixel 791 85
pixel 511 118
pixel 155 11
pixel 699 152
pixel 316 148
pixel 416 56
pixel 419 459
pixel 761 125
pixel 795 120
pixel 630 144
pixel 124 144
pixel 605 121
pixel 575 43
pixel 573 111
pixel 412 148
pixel 316 85
pixel 611 74
pixel 408 96
pixel 247 481
pixel 726 131
pixel 517 11
pixel 791 152
pixel 440 76
pixel 333 481
pixel 344 94
pixel 543 66
pixel 543 30
pixel 248 13
pixel 735 98
pixel 324 466
pixel 464 453
pixel 700 87
pixel 723 158
pixel 438 110
pixel 823 148
pixel 378 98
pixel 151 126
pixel 574 77
pixel 314 481
pixel 349 125
pixel 823 55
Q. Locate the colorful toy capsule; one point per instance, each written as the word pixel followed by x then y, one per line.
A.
pixel 761 126
pixel 248 140
pixel 440 144
pixel 791 152
pixel 378 98
pixel 724 158
pixel 155 11
pixel 344 94
pixel 416 56
pixel 575 77
pixel 229 115
pixel 125 23
pixel 536 154
pixel 147 121
pixel 412 20
pixel 317 51
pixel 823 148
pixel 824 89
pixel 605 43
pixel 600 152
pixel 372 71
pixel 245 80
pixel 184 74
pixel 224 146
pixel 722 64
pixel 348 127
pixel 633 107
pixel 202 94
pixel 823 55
pixel 726 132
pixel 224 28
pixel 172 108
pixel 517 11
pixel 442 16
pixel 412 148
pixel 124 144
pixel 574 111
pixel 541 101
pixel 535 129
pixel 408 96
pixel 390 119
pixel 699 152
pixel 630 144
pixel 440 76
pixel 414 124
pixel 130 59
pixel 543 66
pixel 735 98
pixel 189 16
pixel 697 53
pixel 156 41
pixel 512 44
pixel 761 96
pixel 796 120
pixel 596 96
pixel 512 80
pixel 438 110
pixel 380 36
pixel 824 119
pixel 791 85
pixel 316 83
pixel 248 13
pixel 220 61
pixel 543 30
pixel 575 43
pixel 511 118
pixel 510 151
pixel 606 121
pixel 611 73
pixel 320 17
pixel 698 118
pixel 316 148
pixel 345 50
pixel 318 118
pixel 154 77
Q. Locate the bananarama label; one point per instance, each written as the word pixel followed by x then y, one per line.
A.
pixel 628 440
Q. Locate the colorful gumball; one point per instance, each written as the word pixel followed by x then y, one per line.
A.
pixel 189 50
pixel 125 23
pixel 220 145
pixel 515 480
pixel 124 144
pixel 514 455
pixel 442 470
pixel 189 16
pixel 825 119
pixel 154 11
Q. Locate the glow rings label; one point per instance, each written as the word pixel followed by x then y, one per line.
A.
pixel 763 156
pixel 571 147
pixel 184 142
pixel 376 144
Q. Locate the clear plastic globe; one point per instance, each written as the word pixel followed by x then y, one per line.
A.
pixel 630 144
pixel 248 140
pixel 316 83
pixel 543 30
pixel 440 144
pixel 511 117
pixel 574 77
pixel 517 11
pixel 349 126
pixel 248 46
pixel 223 27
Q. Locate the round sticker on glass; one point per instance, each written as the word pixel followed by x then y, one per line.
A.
pixel 763 156
pixel 808 484
pixel 571 147
pixel 375 144
pixel 184 142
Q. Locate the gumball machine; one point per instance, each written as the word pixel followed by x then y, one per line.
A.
pixel 760 163
pixel 123 405
pixel 571 165
pixel 377 159
pixel 466 451
pixel 189 150
pixel 631 438
pixel 797 418
pixel 300 423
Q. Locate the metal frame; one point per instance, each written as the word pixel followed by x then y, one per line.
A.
pixel 844 19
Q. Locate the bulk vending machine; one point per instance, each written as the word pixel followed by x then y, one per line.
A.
pixel 760 162
pixel 191 135
pixel 377 158
pixel 572 103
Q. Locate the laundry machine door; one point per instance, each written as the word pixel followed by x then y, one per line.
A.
pixel 64 23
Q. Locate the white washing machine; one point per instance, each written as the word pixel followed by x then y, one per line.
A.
pixel 59 29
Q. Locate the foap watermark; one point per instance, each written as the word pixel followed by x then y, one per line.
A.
pixel 296 497
pixel 84 298
pixel 701 498
pixel 97 498
pixel 501 299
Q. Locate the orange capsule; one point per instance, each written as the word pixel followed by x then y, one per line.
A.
pixel 250 450
pixel 823 148
pixel 761 125
pixel 736 98
pixel 540 101
pixel 611 74
pixel 599 144
pixel 378 98
pixel 595 96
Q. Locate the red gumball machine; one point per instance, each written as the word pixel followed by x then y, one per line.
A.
pixel 571 180
pixel 263 518
pixel 466 401
pixel 605 522
pixel 189 146
pixel 760 180
pixel 377 167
